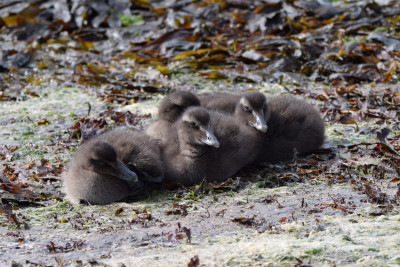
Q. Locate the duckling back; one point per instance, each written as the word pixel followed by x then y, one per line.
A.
pixel 224 102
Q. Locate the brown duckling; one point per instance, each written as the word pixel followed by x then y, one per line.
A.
pixel 195 153
pixel 106 168
pixel 291 125
pixel 186 152
pixel 170 109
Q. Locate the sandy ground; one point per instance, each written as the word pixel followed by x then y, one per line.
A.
pixel 277 232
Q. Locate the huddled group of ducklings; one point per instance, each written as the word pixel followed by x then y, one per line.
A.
pixel 194 137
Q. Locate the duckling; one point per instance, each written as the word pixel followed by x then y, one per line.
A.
pixel 290 125
pixel 101 171
pixel 170 109
pixel 210 145
pixel 186 152
pixel 97 175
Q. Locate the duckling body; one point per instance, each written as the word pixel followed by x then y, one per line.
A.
pixel 169 111
pixel 236 148
pixel 106 168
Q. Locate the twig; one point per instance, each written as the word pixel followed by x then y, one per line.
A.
pixel 89 108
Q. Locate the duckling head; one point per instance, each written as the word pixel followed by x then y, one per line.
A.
pixel 103 159
pixel 195 128
pixel 252 110
pixel 172 106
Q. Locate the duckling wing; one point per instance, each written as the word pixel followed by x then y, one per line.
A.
pixel 234 151
pixel 160 130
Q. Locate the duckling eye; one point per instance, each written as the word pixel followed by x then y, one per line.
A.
pixel 100 163
pixel 246 108
pixel 96 162
pixel 192 124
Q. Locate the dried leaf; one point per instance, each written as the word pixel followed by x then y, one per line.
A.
pixel 194 261
pixel 283 219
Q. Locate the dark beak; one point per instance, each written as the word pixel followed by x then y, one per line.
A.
pixel 125 173
pixel 260 124
pixel 210 140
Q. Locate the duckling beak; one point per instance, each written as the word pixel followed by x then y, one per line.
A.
pixel 211 140
pixel 260 124
pixel 125 173
pixel 144 176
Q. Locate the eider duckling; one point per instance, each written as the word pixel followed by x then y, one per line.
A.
pixel 106 168
pixel 291 125
pixel 186 152
pixel 207 144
